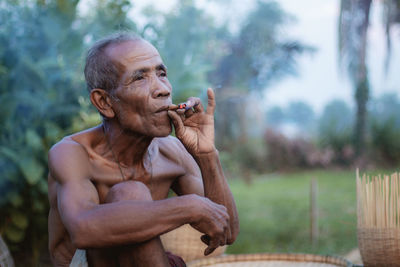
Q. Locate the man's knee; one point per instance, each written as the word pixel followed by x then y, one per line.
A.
pixel 129 190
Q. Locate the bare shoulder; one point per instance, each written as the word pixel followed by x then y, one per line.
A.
pixel 172 148
pixel 68 157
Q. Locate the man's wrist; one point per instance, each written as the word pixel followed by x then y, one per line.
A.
pixel 212 153
pixel 207 157
pixel 192 207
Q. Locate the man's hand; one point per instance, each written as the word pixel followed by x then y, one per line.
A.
pixel 194 127
pixel 213 222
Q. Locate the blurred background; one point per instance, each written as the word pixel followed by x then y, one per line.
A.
pixel 306 90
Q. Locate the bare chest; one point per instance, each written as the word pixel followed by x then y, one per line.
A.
pixel 157 173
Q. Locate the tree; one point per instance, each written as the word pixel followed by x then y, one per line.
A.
pixel 257 56
pixel 385 128
pixel 106 17
pixel 335 131
pixel 41 87
pixel 301 114
pixel 353 28
pixel 275 116
pixel 334 126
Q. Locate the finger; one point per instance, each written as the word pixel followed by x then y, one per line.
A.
pixel 181 113
pixel 205 239
pixel 208 251
pixel 214 243
pixel 228 235
pixel 189 113
pixel 177 121
pixel 199 108
pixel 195 103
pixel 173 107
pixel 211 101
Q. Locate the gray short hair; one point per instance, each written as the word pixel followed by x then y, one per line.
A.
pixel 100 71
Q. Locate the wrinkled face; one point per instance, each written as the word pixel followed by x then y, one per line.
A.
pixel 144 93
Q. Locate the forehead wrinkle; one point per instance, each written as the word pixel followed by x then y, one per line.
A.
pixel 142 57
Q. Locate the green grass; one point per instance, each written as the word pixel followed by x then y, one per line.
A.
pixel 274 213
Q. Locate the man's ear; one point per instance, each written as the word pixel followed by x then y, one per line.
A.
pixel 102 101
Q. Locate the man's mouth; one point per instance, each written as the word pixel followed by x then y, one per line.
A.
pixel 163 108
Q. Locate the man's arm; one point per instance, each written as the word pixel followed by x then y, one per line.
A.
pixel 217 189
pixel 214 186
pixel 195 129
pixel 92 225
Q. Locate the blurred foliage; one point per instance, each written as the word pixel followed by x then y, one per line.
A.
pixel 39 87
pixel 335 130
pixel 385 129
pixel 41 45
pixel 354 23
pixel 244 159
pixel 332 144
pixel 283 153
pixel 301 114
pixel 353 28
pixel 298 113
pixel 257 55
pixel 275 116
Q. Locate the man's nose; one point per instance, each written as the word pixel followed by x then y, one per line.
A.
pixel 161 90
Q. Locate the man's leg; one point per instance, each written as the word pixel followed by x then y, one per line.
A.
pixel 149 253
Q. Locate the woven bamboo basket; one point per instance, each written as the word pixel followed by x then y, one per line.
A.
pixel 5 256
pixel 379 247
pixel 272 260
pixel 378 223
pixel 185 242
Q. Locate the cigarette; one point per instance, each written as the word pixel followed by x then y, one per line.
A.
pixel 175 107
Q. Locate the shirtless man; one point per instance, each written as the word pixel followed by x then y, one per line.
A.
pixel 108 185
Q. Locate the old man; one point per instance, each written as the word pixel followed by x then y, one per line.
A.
pixel 108 185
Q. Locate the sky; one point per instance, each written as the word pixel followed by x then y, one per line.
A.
pixel 319 79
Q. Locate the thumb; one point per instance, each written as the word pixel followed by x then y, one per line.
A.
pixel 178 123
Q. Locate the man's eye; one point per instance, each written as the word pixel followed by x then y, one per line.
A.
pixel 138 78
pixel 163 74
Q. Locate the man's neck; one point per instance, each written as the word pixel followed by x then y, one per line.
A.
pixel 127 147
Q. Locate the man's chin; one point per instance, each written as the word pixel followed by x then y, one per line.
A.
pixel 163 131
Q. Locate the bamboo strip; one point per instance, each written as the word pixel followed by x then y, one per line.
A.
pixel 378 200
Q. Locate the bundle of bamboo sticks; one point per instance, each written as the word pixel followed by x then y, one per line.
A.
pixel 378 201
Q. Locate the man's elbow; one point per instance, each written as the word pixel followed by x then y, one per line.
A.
pixel 79 234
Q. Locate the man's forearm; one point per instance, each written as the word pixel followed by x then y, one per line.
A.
pixel 216 187
pixel 130 221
